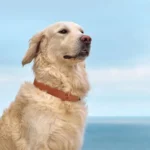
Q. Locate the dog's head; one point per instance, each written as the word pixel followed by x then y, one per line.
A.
pixel 64 42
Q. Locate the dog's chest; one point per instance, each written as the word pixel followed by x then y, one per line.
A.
pixel 48 130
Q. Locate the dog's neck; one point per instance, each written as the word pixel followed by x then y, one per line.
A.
pixel 68 78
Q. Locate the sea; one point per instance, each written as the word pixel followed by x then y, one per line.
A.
pixel 117 133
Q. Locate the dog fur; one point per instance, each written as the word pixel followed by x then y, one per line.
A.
pixel 37 120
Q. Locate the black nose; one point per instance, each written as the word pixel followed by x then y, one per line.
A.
pixel 86 39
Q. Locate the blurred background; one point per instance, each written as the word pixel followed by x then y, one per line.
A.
pixel 118 67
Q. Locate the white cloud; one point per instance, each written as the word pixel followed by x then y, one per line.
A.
pixel 15 74
pixel 120 91
pixel 129 79
pixel 120 74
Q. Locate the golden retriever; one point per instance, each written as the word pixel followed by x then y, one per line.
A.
pixel 37 120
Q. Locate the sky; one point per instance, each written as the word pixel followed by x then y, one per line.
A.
pixel 118 66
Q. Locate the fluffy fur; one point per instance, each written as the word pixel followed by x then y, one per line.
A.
pixel 37 120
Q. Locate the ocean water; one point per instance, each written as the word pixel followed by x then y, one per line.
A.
pixel 117 134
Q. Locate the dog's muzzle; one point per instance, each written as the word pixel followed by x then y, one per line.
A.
pixel 85 48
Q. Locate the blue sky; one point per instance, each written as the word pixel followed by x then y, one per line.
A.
pixel 118 67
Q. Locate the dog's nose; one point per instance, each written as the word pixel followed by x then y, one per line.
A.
pixel 86 39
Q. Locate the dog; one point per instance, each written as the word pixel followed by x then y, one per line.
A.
pixel 50 113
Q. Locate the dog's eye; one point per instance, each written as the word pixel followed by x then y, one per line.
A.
pixel 82 31
pixel 64 31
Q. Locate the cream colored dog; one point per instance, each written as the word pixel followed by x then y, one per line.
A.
pixel 37 120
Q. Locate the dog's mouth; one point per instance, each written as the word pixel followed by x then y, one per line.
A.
pixel 82 54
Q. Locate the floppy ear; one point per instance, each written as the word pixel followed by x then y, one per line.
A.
pixel 34 45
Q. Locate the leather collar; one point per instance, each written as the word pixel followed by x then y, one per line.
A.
pixel 55 92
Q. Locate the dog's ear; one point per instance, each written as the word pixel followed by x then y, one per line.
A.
pixel 34 45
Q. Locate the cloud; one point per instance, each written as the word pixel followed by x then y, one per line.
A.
pixel 120 91
pixel 127 79
pixel 15 74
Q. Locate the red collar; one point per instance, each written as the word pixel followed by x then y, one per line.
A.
pixel 55 92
